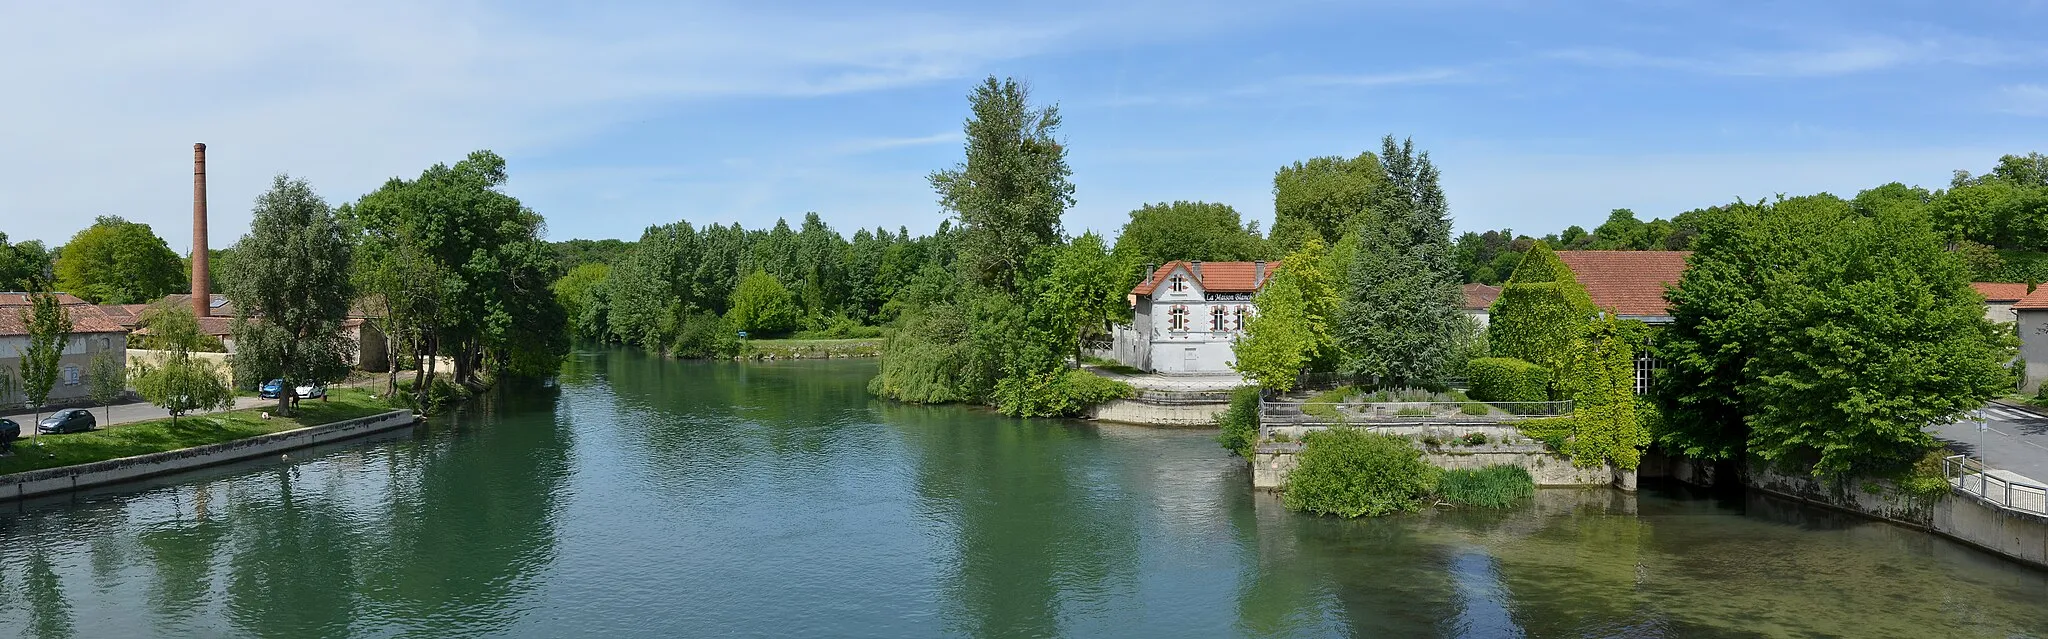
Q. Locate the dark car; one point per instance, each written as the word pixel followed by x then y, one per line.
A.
pixel 270 389
pixel 76 420
pixel 9 431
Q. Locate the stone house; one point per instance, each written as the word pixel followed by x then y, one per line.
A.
pixel 219 322
pixel 1186 316
pixel 1999 298
pixel 92 333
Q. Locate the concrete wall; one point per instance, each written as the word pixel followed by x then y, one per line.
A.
pixel 2033 331
pixel 72 387
pixel 2018 536
pixel 1125 411
pixel 1272 462
pixel 1999 312
pixel 70 478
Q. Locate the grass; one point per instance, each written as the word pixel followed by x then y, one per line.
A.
pixel 1490 487
pixel 155 436
pixel 1323 404
pixel 1111 365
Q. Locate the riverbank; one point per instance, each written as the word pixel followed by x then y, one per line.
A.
pixel 810 348
pixel 160 435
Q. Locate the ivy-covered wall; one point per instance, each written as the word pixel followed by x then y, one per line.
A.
pixel 1540 310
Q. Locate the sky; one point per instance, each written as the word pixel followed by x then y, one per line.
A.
pixel 617 116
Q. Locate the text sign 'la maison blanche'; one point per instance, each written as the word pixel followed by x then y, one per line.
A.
pixel 1227 297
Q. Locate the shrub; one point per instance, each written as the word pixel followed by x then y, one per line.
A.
pixel 1539 310
pixel 1506 379
pixel 1352 473
pixel 1490 487
pixel 1240 423
pixel 839 327
pixel 1554 432
pixel 701 335
pixel 761 305
pixel 1066 394
pixel 1473 408
pixel 1475 439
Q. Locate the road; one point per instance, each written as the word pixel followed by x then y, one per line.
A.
pixel 2012 438
pixel 129 413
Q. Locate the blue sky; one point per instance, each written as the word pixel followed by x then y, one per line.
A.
pixel 617 116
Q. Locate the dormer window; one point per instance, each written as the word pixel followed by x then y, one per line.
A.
pixel 1178 283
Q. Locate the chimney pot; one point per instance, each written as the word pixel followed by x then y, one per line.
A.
pixel 1196 266
pixel 1258 272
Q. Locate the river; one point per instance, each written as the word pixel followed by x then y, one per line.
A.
pixel 649 498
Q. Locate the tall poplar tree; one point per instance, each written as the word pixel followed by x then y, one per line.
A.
pixel 1011 190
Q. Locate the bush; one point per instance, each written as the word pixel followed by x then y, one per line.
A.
pixel 1240 423
pixel 1475 439
pixel 1506 379
pixel 761 305
pixel 1067 394
pixel 701 335
pixel 1490 487
pixel 839 327
pixel 1554 432
pixel 923 361
pixel 1473 408
pixel 1352 473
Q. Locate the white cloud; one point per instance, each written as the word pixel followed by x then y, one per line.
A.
pixel 1844 56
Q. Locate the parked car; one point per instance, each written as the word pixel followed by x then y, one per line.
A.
pixel 270 389
pixel 76 420
pixel 312 391
pixel 9 431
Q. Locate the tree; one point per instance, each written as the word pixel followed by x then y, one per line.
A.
pixel 582 296
pixel 292 290
pixel 1400 321
pixel 1325 198
pixel 1815 336
pixel 49 327
pixel 1012 188
pixel 762 306
pixel 23 265
pixel 1291 331
pixel 1084 295
pixel 1161 233
pixel 106 379
pixel 116 261
pixel 175 380
pixel 1622 232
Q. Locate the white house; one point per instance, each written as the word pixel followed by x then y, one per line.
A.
pixel 1187 315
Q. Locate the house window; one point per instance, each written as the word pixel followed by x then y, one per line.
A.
pixel 71 376
pixel 1216 319
pixel 1238 323
pixel 106 343
pixel 1177 318
pixel 1646 368
pixel 1178 283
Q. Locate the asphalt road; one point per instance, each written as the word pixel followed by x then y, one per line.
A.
pixel 126 413
pixel 2010 438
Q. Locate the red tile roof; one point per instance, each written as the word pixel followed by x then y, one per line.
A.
pixel 1214 277
pixel 2000 291
pixel 1479 297
pixel 16 298
pixel 85 318
pixel 2033 301
pixel 1627 282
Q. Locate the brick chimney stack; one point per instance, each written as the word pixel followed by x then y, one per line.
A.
pixel 202 297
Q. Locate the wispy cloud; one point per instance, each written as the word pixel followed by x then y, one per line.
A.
pixel 1299 84
pixel 871 145
pixel 1846 56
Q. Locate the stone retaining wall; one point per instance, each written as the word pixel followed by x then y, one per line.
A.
pixel 1126 411
pixel 2015 535
pixel 1272 462
pixel 70 478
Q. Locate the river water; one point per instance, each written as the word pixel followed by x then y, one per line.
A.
pixel 652 498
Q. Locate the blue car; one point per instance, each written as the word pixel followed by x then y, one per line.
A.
pixel 270 389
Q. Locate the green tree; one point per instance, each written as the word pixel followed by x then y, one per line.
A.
pixel 49 327
pixel 116 261
pixel 1085 294
pixel 1325 198
pixel 1622 232
pixel 1012 188
pixel 582 296
pixel 23 265
pixel 1291 331
pixel 761 306
pixel 106 380
pixel 1815 336
pixel 1161 233
pixel 1400 322
pixel 174 380
pixel 292 290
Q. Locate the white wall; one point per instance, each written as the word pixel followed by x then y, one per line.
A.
pixel 1211 349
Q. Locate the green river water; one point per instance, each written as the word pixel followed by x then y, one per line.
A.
pixel 642 497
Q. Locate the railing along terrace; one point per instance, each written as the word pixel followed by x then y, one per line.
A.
pixel 1971 477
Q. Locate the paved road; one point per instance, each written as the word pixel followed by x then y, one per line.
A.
pixel 128 413
pixel 2012 438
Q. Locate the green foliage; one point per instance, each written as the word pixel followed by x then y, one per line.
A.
pixel 1507 379
pixel 839 327
pixel 49 326
pixel 761 306
pixel 1065 394
pixel 167 327
pixel 1540 310
pixel 581 294
pixel 1555 432
pixel 1400 322
pixel 294 275
pixel 1352 473
pixel 701 335
pixel 106 377
pixel 1084 294
pixel 116 261
pixel 1325 198
pixel 1240 423
pixel 1496 486
pixel 180 383
pixel 930 360
pixel 1161 233
pixel 22 265
pixel 1599 377
pixel 1292 329
pixel 1012 187
pixel 573 254
pixel 1809 333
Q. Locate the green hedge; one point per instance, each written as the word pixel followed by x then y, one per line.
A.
pixel 1540 310
pixel 1506 379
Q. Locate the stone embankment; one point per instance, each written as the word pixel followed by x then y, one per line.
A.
pixel 1273 460
pixel 70 478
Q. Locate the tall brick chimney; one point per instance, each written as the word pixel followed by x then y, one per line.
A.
pixel 202 297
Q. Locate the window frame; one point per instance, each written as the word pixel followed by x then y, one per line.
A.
pixel 1177 318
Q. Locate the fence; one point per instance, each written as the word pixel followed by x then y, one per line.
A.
pixel 1971 477
pixel 1298 417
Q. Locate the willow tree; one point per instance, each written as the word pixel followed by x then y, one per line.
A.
pixel 292 291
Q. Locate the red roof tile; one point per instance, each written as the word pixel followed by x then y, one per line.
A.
pixel 1214 277
pixel 16 298
pixel 2033 301
pixel 1479 297
pixel 85 318
pixel 1627 282
pixel 2000 291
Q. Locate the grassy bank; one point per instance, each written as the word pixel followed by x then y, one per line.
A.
pixel 811 348
pixel 160 435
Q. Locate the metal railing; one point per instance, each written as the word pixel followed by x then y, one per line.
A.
pixel 1971 477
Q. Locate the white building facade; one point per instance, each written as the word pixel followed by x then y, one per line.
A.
pixel 1187 316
